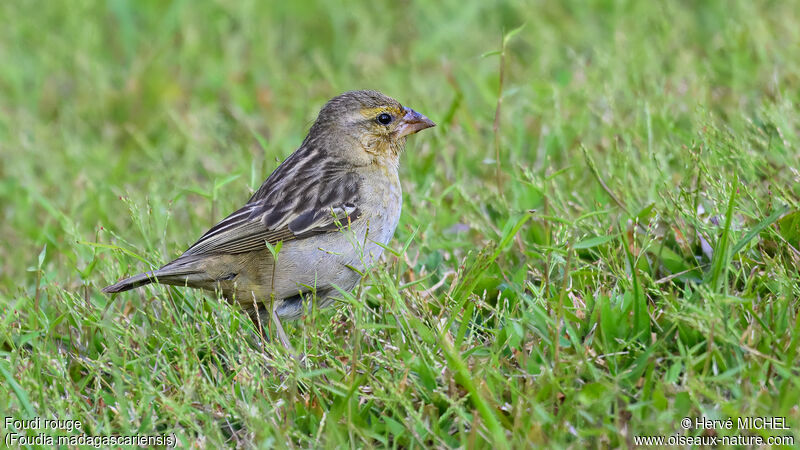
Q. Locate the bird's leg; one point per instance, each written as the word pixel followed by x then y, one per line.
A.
pixel 281 334
pixel 299 357
pixel 269 325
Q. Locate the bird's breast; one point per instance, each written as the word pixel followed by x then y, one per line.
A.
pixel 382 204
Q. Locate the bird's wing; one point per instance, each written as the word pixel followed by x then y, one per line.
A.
pixel 294 210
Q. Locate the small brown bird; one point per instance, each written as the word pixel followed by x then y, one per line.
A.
pixel 332 204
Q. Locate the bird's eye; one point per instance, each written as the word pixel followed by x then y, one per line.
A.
pixel 385 119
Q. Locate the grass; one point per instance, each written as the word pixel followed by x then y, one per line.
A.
pixel 612 248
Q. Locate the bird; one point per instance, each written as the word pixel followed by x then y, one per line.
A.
pixel 318 222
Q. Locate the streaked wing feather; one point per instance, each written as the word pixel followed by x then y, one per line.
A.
pixel 324 219
pixel 262 221
pixel 238 234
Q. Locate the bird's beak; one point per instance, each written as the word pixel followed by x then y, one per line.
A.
pixel 412 122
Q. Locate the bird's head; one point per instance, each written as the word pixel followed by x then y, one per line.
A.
pixel 379 124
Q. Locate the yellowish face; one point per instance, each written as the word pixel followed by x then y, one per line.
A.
pixel 380 126
pixel 384 117
pixel 396 111
pixel 379 123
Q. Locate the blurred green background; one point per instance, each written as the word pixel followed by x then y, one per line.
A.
pixel 648 153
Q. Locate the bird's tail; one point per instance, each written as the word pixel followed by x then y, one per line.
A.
pixel 179 272
pixel 131 283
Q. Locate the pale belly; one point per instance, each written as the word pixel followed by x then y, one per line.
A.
pixel 324 262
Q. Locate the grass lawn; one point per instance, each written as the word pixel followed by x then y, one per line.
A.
pixel 600 238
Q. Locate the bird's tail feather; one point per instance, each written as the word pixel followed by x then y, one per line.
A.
pixel 178 273
pixel 131 283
